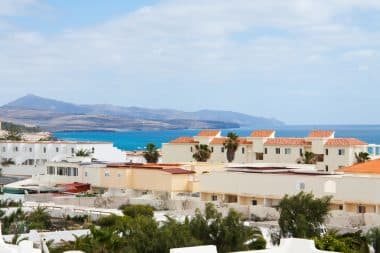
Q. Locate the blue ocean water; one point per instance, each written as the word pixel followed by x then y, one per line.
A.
pixel 137 140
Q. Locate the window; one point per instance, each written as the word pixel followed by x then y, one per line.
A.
pixel 222 149
pixel 4 149
pixel 44 149
pixel 259 156
pixel 288 151
pixel 16 149
pixel 265 150
pixel 242 150
pixel 340 151
pixel 191 149
pixel 107 174
pixel 93 150
pixel 75 172
pixel 86 174
pixel 254 202
pixel 361 209
pixel 212 149
pixel 214 197
pixel 278 151
pixel 301 152
pixel 72 150
pixel 326 168
pixel 326 151
pixel 340 207
pixel 57 150
pixel 51 170
pixel 30 150
pixel 300 186
pixel 61 171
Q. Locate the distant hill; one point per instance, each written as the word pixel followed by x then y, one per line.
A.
pixel 54 115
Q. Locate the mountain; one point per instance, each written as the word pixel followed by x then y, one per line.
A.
pixel 54 115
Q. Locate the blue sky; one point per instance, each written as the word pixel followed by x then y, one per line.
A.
pixel 301 61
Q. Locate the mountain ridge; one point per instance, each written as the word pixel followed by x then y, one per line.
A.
pixel 57 115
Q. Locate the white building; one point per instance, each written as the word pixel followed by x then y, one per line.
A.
pixel 29 157
pixel 264 147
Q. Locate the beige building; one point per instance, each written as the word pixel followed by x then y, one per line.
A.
pixel 264 147
pixel 252 185
pixel 170 178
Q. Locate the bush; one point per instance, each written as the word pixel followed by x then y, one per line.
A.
pixel 137 210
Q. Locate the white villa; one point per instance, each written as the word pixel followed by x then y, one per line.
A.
pixel 263 146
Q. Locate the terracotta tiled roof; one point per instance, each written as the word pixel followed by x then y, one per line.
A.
pixel 177 171
pixel 262 133
pixel 338 142
pixel 287 142
pixel 184 140
pixel 221 140
pixel 369 167
pixel 320 133
pixel 218 141
pixel 209 133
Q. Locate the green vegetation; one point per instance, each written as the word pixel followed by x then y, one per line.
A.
pixel 362 157
pixel 302 215
pixel 7 126
pixel 231 145
pixel 373 237
pixel 308 158
pixel 83 153
pixel 14 134
pixel 202 153
pixel 7 161
pixel 151 154
pixel 139 232
pixel 10 203
pixel 347 243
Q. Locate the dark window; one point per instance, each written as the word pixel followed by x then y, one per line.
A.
pixel 361 209
pixel 30 150
pixel 326 168
pixel 340 207
pixel 57 150
pixel 16 149
pixel 214 198
pixel 72 151
pixel 259 156
pixel 301 152
pixel 212 149
pixel 254 202
pixel 222 149
pixel 265 150
pixel 278 151
pixel 340 151
pixel 242 150
pixel 93 150
pixel 44 149
pixel 326 151
pixel 191 149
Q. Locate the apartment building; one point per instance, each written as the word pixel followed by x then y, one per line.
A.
pixel 266 185
pixel 29 157
pixel 263 146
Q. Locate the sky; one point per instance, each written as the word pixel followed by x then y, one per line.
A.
pixel 300 61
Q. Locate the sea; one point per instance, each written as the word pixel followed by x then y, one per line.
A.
pixel 137 140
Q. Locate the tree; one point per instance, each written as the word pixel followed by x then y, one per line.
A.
pixel 137 210
pixel 38 219
pixel 362 157
pixel 202 153
pixel 308 158
pixel 302 215
pixel 14 134
pixel 231 144
pixel 151 154
pixel 373 237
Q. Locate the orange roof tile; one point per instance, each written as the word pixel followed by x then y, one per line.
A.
pixel 218 141
pixel 369 167
pixel 221 140
pixel 209 133
pixel 320 133
pixel 262 133
pixel 287 142
pixel 337 142
pixel 184 140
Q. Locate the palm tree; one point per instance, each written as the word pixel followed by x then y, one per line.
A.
pixel 308 158
pixel 202 153
pixel 7 161
pixel 231 144
pixel 151 154
pixel 83 153
pixel 362 157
